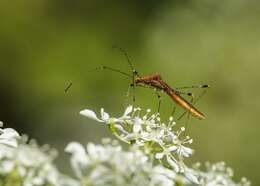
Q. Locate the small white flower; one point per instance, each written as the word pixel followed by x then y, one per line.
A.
pixel 184 151
pixel 219 174
pixel 105 116
pixel 6 166
pixel 137 125
pixel 9 137
pixel 90 114
pixel 128 110
pixel 79 158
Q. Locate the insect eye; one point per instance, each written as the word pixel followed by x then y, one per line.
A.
pixel 131 84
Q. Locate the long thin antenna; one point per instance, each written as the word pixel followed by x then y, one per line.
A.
pixel 112 69
pixel 127 57
pixel 132 68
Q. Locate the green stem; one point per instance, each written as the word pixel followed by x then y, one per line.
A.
pixel 113 130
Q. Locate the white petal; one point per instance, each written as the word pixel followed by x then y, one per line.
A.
pixel 121 129
pixel 172 148
pixel 136 128
pixel 1 124
pixel 9 133
pixel 173 164
pixel 75 148
pixel 9 137
pixel 192 177
pixel 92 150
pixel 38 180
pixel 79 158
pixel 159 155
pixel 186 151
pixel 128 110
pixel 6 151
pixel 129 137
pixel 169 173
pixel 10 142
pixel 145 135
pixel 104 115
pixel 90 114
pixel 7 166
pixel 161 133
pixel 137 125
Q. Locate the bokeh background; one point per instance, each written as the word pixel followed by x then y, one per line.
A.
pixel 46 44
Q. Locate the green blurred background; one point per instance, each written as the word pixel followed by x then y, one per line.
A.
pixel 46 44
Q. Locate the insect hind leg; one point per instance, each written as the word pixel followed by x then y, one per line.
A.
pixel 159 101
pixel 188 117
pixel 194 86
pixel 173 110
pixel 133 88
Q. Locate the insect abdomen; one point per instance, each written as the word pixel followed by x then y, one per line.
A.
pixel 185 105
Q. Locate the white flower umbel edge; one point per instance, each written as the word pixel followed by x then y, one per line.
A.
pixel 25 163
pixel 158 141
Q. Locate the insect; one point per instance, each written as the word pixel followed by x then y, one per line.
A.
pixel 155 81
pixel 159 85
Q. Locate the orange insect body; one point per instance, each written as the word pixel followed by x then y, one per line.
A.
pixel 155 81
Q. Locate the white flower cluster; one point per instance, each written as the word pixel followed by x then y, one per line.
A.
pixel 218 174
pixel 148 132
pixel 158 141
pixel 109 165
pixel 27 164
pixel 155 157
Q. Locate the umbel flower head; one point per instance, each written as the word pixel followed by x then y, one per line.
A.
pixel 157 141
pixel 8 137
pixel 25 163
pixel 155 157
pixel 147 131
pixel 108 164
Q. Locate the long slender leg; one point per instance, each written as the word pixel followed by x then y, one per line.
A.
pixel 160 100
pixel 194 86
pixel 188 119
pixel 133 85
pixel 173 110
pixel 127 95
